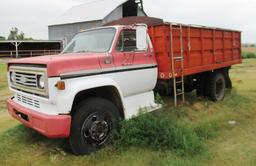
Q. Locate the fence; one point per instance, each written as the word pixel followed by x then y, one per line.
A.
pixel 27 53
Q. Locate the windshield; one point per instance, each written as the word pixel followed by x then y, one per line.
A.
pixel 99 40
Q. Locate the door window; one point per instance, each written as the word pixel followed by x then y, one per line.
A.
pixel 127 41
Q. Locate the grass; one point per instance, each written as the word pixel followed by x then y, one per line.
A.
pixel 248 52
pixel 159 133
pixel 226 131
pixel 5 120
pixel 3 82
pixel 248 55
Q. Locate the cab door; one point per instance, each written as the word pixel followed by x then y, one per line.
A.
pixel 133 71
pixel 125 48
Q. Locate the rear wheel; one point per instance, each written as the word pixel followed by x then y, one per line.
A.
pixel 216 86
pixel 93 125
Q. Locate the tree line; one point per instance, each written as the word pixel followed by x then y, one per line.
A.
pixel 16 34
pixel 249 45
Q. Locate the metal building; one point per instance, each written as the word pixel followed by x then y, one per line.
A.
pixel 92 14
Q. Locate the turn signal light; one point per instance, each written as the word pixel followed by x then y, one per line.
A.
pixel 60 85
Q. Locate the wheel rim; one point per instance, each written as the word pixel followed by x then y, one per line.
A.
pixel 219 88
pixel 96 129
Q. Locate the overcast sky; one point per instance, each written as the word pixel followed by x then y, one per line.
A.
pixel 33 16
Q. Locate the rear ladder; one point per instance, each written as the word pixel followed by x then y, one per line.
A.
pixel 175 60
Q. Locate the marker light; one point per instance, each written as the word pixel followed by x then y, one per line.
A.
pixel 60 85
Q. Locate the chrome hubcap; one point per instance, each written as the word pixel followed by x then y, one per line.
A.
pixel 96 128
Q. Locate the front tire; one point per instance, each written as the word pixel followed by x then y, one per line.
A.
pixel 93 125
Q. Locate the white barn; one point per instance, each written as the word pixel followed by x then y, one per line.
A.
pixel 94 13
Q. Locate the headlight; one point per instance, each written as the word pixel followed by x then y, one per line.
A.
pixel 12 76
pixel 41 82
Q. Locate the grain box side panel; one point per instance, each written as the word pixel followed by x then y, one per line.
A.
pixel 161 40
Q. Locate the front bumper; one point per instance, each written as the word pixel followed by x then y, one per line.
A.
pixel 51 126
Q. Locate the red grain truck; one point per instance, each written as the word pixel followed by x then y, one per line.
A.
pixel 111 72
pixel 186 52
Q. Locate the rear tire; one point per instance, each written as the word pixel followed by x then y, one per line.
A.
pixel 93 125
pixel 216 86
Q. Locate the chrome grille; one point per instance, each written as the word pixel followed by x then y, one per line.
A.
pixel 28 101
pixel 25 79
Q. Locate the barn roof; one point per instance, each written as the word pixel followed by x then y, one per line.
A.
pixel 90 11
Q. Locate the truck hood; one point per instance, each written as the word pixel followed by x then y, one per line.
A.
pixel 63 63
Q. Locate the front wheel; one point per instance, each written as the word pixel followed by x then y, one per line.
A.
pixel 93 125
pixel 216 86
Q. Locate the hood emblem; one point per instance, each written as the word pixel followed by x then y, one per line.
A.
pixel 23 79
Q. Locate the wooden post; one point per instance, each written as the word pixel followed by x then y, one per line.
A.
pixel 16 45
pixel 16 49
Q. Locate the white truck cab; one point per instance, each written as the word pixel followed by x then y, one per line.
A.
pixel 103 75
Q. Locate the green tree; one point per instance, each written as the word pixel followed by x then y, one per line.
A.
pixel 15 34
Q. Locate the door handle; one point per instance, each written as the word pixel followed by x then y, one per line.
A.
pixel 107 62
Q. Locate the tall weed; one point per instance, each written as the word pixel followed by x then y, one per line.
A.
pixel 148 131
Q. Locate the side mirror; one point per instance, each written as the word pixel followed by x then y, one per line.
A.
pixel 141 37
